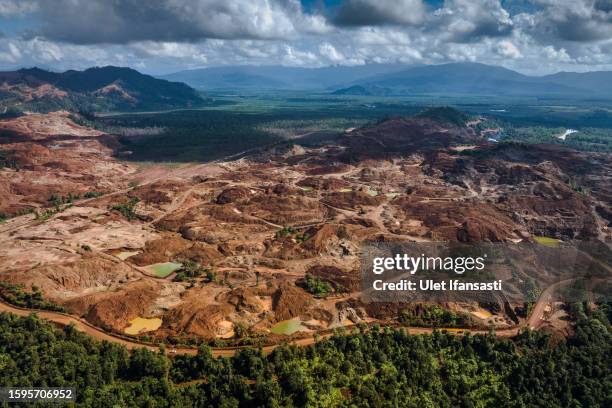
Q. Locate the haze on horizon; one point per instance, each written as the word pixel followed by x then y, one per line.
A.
pixel 164 36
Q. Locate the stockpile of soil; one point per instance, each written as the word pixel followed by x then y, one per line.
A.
pixel 243 299
pixel 328 169
pixel 460 221
pixel 195 320
pixel 62 281
pixel 324 183
pixel 233 194
pixel 352 199
pixel 163 249
pixel 285 210
pixel 115 310
pixel 290 301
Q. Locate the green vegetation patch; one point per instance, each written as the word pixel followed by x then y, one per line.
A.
pixel 24 211
pixel 93 194
pixel 317 286
pixel 434 316
pixel 367 368
pixel 17 295
pixel 445 114
pixel 251 121
pixel 289 232
pixel 190 270
pixel 586 139
pixel 6 160
pixel 128 210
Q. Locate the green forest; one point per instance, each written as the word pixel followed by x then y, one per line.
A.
pixel 233 125
pixel 366 368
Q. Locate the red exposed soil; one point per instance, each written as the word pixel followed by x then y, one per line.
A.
pixel 260 224
pixel 290 301
pixel 348 280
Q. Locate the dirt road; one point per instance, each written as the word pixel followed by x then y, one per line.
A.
pixel 64 319
pixel 82 325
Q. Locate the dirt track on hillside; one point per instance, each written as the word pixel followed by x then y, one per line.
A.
pixel 64 319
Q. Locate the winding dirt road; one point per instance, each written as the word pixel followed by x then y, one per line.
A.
pixel 64 319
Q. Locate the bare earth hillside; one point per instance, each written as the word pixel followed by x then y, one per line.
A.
pixel 249 232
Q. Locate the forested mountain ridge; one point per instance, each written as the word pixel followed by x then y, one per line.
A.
pixel 402 80
pixel 94 89
pixel 278 77
pixel 481 79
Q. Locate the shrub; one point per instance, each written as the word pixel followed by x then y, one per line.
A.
pixel 318 287
pixel 127 209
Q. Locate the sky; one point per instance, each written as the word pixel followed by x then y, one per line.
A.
pixel 164 36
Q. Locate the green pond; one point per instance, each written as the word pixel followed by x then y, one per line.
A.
pixel 287 327
pixel 547 241
pixel 162 270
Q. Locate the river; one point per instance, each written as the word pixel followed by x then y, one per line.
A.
pixel 567 133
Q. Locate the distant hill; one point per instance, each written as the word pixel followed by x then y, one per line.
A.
pixel 432 129
pixel 597 81
pixel 124 89
pixel 278 77
pixel 401 80
pixel 481 79
pixel 368 90
pixel 95 89
pixel 445 114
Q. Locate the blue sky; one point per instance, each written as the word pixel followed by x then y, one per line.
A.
pixel 161 36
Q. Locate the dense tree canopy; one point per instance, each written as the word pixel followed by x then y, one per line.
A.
pixel 372 368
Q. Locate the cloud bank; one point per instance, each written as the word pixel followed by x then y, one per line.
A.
pixel 533 36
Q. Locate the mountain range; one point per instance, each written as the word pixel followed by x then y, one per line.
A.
pixel 278 77
pixel 124 89
pixel 403 80
pixel 94 89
